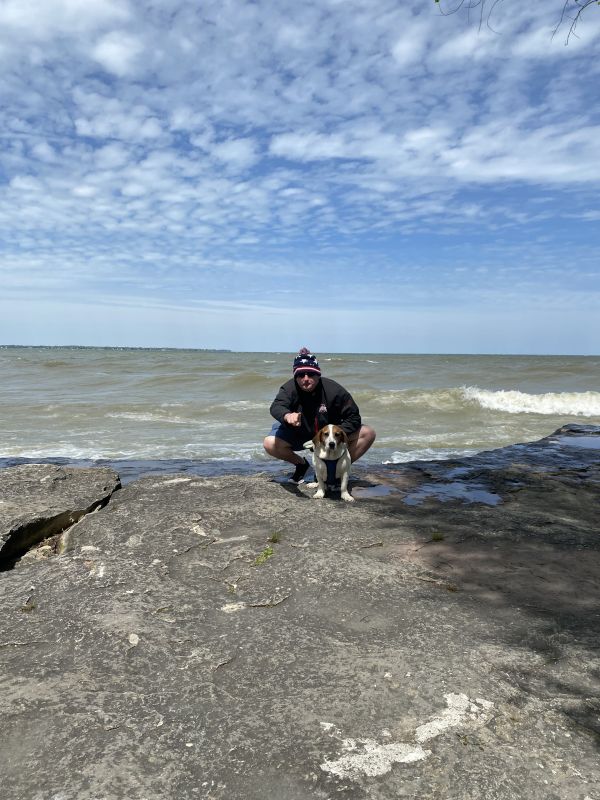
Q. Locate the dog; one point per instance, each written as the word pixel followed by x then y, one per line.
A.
pixel 329 445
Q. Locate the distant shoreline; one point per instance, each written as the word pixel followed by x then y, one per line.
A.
pixel 109 347
pixel 279 351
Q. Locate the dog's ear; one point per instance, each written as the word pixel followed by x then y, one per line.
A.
pixel 310 445
pixel 344 436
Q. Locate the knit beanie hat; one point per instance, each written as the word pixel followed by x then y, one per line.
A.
pixel 306 362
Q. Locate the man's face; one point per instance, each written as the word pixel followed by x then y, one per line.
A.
pixel 307 381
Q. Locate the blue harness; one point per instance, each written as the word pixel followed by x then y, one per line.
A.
pixel 331 467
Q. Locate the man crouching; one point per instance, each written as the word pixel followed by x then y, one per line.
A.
pixel 303 406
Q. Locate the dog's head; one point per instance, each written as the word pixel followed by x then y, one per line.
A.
pixel 329 442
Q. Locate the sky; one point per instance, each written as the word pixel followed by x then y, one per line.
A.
pixel 356 176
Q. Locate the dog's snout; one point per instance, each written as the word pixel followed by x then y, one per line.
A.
pixel 331 445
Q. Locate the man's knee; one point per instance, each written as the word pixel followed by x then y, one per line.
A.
pixel 270 443
pixel 276 447
pixel 365 434
pixel 369 434
pixel 361 442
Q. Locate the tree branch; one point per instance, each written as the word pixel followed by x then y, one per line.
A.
pixel 571 12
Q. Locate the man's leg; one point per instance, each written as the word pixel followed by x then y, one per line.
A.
pixel 360 442
pixel 278 448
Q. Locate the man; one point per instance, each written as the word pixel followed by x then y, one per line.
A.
pixel 303 405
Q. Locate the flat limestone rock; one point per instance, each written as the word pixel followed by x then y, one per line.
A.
pixel 232 638
pixel 39 500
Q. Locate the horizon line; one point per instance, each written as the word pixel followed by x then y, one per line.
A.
pixel 285 352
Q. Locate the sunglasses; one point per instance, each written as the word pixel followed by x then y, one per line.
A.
pixel 306 375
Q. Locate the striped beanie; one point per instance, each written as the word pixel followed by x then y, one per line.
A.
pixel 306 362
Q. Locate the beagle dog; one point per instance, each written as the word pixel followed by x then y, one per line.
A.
pixel 331 444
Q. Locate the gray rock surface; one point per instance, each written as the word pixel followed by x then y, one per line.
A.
pixel 231 638
pixel 38 501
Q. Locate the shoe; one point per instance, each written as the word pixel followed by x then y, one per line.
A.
pixel 301 470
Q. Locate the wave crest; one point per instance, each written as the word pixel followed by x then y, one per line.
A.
pixel 438 399
pixel 572 404
pixel 508 401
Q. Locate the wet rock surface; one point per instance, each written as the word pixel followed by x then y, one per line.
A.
pixel 232 638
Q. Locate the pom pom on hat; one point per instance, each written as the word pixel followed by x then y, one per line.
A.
pixel 306 362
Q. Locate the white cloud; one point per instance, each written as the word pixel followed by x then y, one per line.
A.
pixel 26 183
pixel 104 117
pixel 44 19
pixel 118 52
pixel 412 44
pixel 111 155
pixel 84 191
pixel 310 146
pixel 187 119
pixel 44 151
pixel 238 153
pixel 465 45
pixel 548 41
pixel 548 154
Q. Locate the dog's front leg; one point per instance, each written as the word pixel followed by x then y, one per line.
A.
pixel 343 472
pixel 321 476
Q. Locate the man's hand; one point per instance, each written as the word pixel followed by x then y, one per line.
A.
pixel 293 418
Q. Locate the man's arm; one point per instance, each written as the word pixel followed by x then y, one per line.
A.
pixel 285 402
pixel 351 420
pixel 342 403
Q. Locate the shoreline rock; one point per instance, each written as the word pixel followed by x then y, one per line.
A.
pixel 38 501
pixel 231 638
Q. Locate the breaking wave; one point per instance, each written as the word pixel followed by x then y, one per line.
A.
pixel 429 454
pixel 571 404
pixel 451 400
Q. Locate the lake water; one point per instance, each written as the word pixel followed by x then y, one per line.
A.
pixel 155 405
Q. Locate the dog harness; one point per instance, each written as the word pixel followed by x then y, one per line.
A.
pixel 331 468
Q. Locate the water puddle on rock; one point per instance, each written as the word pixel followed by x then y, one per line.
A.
pixel 452 491
pixel 588 442
pixel 362 492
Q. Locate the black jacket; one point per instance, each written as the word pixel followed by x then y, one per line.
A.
pixel 329 403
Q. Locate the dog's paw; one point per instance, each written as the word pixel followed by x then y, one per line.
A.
pixel 347 497
pixel 319 494
pixel 312 485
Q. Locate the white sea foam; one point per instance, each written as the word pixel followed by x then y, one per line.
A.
pixel 142 450
pixel 234 456
pixel 244 405
pixel 572 404
pixel 149 417
pixel 428 454
pixel 439 399
pixel 66 451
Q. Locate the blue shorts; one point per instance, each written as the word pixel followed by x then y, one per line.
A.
pixel 289 435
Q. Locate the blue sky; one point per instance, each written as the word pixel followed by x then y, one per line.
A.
pixel 364 175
